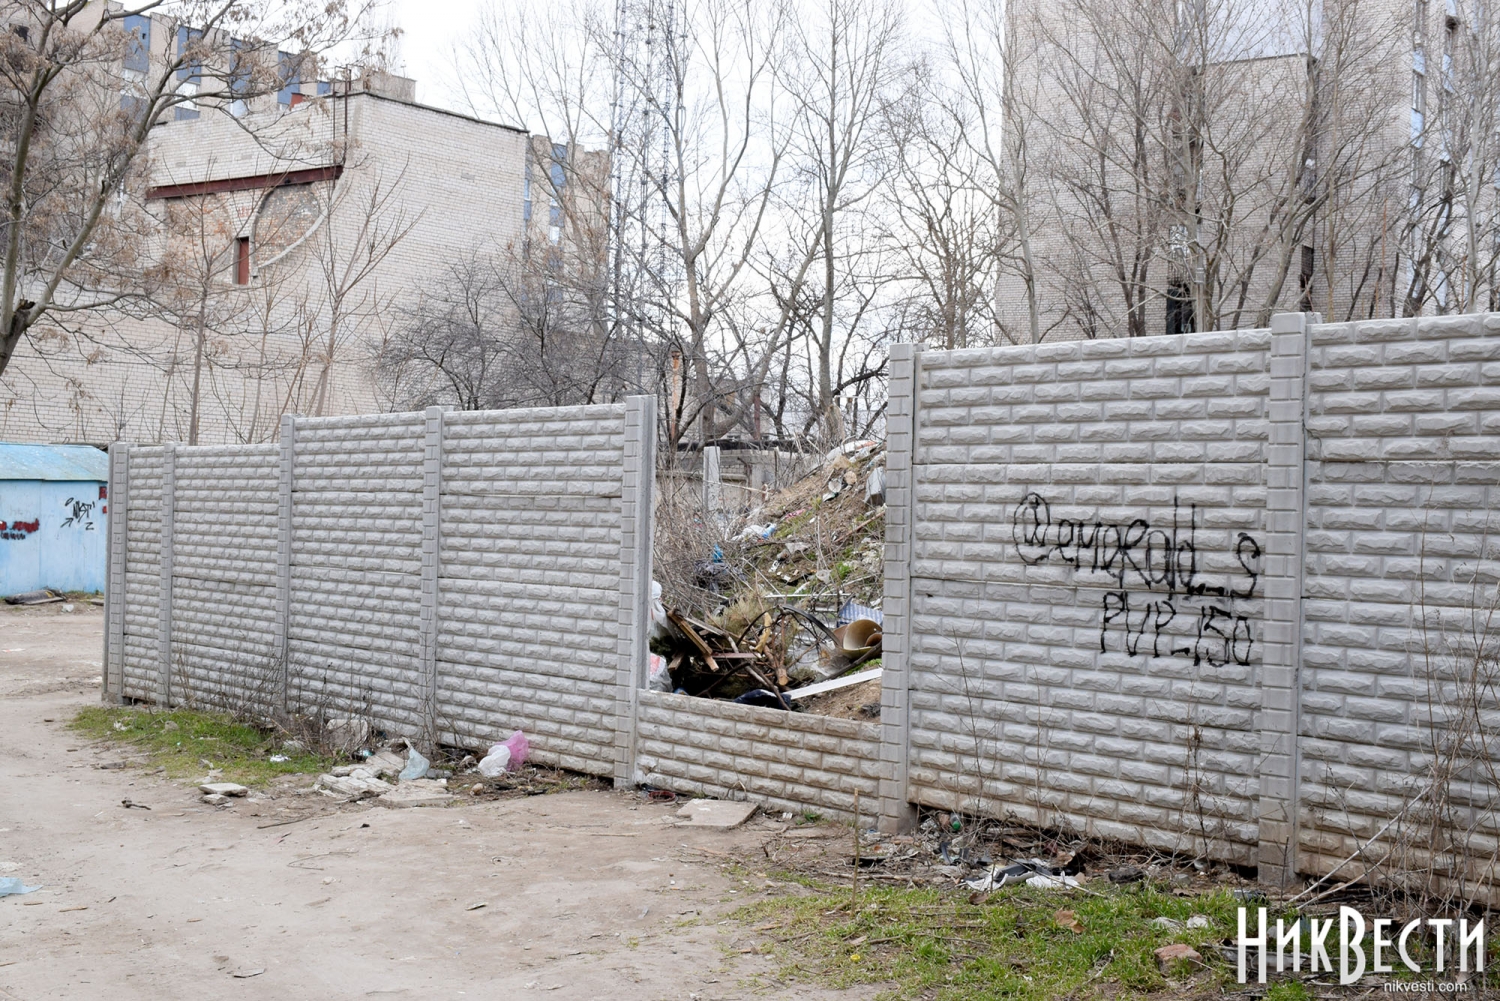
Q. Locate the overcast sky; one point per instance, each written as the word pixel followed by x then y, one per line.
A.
pixel 429 29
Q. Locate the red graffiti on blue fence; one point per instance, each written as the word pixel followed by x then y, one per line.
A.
pixel 17 530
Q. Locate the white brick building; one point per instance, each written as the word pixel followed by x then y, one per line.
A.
pixel 291 235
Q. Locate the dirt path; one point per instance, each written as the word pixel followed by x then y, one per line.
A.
pixel 586 895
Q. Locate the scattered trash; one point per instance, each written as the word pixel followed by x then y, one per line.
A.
pixel 859 640
pixel 1249 896
pixel 224 789
pixel 475 907
pixel 875 487
pixel 130 805
pixel 1068 920
pixel 1199 921
pixel 854 610
pixel 277 759
pixel 1167 924
pixel 41 597
pixel 661 796
pixel 762 697
pixel 506 756
pixel 69 607
pixel 658 678
pixel 847 681
pixel 247 974
pixel 1126 874
pixel 1034 873
pixel 496 763
pixel 417 766
pixel 1178 959
pixel 11 886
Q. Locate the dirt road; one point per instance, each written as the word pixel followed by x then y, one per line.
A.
pixel 585 895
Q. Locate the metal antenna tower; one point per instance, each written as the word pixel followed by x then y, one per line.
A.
pixel 650 37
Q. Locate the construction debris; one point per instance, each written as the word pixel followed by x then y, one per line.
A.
pixel 417 792
pixel 41 597
pixel 785 597
pixel 715 813
pixel 223 789
pixel 358 784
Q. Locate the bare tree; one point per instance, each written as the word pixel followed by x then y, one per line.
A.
pixel 1197 146
pixel 1450 231
pixel 842 66
pixel 363 223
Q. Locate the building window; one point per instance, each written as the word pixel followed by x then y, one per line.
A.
pixel 526 193
pixel 1179 309
pixel 1304 281
pixel 242 261
pixel 138 45
pixel 189 74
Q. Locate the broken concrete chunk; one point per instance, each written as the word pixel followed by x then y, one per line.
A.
pixel 417 792
pixel 356 785
pixel 223 789
pixel 1198 921
pixel 716 813
pixel 215 799
pixel 383 764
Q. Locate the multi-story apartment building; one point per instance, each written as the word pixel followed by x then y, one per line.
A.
pixel 1192 164
pixel 287 237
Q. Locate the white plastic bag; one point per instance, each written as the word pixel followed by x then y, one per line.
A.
pixel 660 679
pixel 496 762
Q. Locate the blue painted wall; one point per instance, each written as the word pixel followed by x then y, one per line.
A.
pixel 52 534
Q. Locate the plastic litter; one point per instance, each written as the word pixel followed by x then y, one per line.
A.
pixel 1034 873
pixel 496 763
pixel 416 766
pixel 762 697
pixel 660 628
pixel 277 759
pixel 854 610
pixel 505 756
pixel 10 885
pixel 660 680
pixel 519 748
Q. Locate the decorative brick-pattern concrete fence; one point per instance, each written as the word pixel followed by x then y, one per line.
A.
pixel 1205 592
pixel 787 761
pixel 1208 592
pixel 450 576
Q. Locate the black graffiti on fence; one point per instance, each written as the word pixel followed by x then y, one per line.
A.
pixel 1156 571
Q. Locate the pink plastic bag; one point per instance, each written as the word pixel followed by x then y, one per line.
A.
pixel 518 746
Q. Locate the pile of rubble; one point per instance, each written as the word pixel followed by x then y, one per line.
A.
pixel 791 597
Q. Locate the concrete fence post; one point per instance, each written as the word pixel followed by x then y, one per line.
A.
pixel 164 621
pixel 1281 651
pixel 713 488
pixel 432 475
pixel 637 518
pixel 281 638
pixel 117 494
pixel 896 812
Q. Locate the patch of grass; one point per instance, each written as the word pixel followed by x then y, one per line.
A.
pixel 934 944
pixel 181 739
